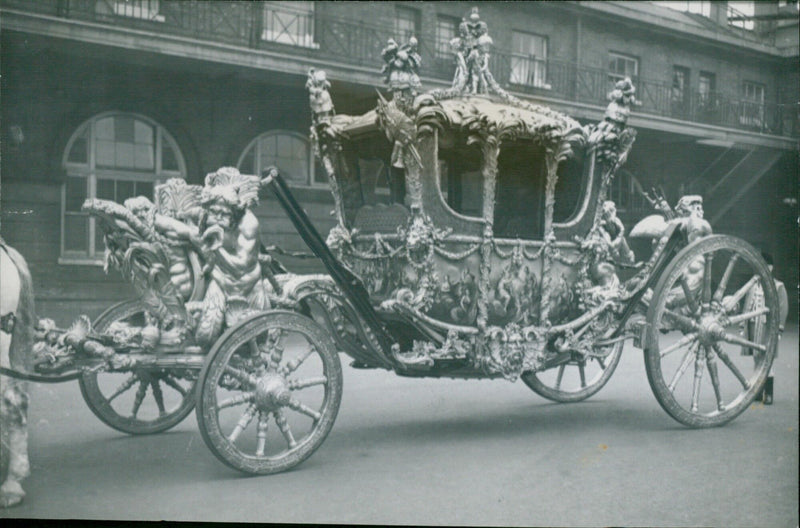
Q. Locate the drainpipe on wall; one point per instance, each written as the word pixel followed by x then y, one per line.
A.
pixel 578 31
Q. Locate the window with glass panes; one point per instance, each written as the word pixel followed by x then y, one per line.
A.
pixel 289 151
pixel 446 30
pixel 752 112
pixel 406 23
pixel 680 85
pixel 112 157
pixel 142 9
pixel 706 84
pixel 621 66
pixel 528 59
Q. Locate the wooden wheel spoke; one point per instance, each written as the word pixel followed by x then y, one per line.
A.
pixel 730 303
pixel 723 283
pixel 258 357
pixel 286 431
pixel 699 364
pixel 602 363
pixel 687 292
pixel 307 382
pixel 261 433
pixel 582 372
pixel 275 349
pixel 240 375
pixel 243 422
pixel 158 396
pixel 236 400
pixel 253 346
pixel 747 316
pixel 124 386
pixel 685 362
pixel 560 376
pixel 733 368
pixel 169 380
pixel 684 321
pixel 141 391
pixel 294 363
pixel 709 260
pixel 711 363
pixel 738 340
pixel 303 408
pixel 685 340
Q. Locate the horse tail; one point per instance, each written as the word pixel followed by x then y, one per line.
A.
pixel 20 352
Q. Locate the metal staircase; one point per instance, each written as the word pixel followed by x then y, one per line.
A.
pixel 729 177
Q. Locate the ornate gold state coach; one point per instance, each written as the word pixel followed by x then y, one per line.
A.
pixel 473 239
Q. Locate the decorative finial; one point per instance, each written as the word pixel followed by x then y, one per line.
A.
pixel 622 97
pixel 615 119
pixel 318 97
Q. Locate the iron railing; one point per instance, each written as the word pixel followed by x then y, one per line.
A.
pixel 329 39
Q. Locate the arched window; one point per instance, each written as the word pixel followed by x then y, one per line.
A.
pixel 289 151
pixel 112 156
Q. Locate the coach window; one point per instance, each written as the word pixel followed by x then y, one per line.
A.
pixel 520 191
pixel 112 156
pixel 461 179
pixel 289 151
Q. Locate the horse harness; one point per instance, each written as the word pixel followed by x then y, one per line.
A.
pixel 7 321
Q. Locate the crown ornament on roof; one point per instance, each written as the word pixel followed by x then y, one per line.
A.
pixel 471 48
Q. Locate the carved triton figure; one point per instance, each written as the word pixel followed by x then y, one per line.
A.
pixel 228 233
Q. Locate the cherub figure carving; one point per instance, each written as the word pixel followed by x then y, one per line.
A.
pixel 614 230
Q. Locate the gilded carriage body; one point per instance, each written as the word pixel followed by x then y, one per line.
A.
pixel 474 217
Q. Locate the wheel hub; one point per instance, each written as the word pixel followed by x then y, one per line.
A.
pixel 271 392
pixel 709 329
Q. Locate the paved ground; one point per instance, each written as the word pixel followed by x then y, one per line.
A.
pixel 418 451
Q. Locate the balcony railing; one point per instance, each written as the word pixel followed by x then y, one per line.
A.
pixel 332 40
